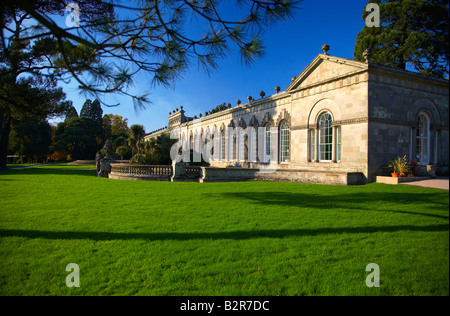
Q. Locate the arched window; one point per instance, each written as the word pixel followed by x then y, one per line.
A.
pixel 212 148
pixel 267 143
pixel 423 139
pixel 233 147
pixel 241 144
pixel 284 142
pixel 325 137
pixel 222 145
pixel 191 142
pixel 253 144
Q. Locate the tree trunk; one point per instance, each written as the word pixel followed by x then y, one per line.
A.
pixel 5 130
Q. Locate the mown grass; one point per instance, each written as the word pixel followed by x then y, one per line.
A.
pixel 248 238
pixel 67 166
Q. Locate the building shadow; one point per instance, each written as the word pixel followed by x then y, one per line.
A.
pixel 355 201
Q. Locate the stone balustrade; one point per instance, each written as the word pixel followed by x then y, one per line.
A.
pixel 140 172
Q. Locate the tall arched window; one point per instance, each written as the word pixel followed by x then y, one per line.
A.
pixel 423 139
pixel 222 145
pixel 267 143
pixel 253 146
pixel 233 148
pixel 284 142
pixel 325 137
pixel 241 145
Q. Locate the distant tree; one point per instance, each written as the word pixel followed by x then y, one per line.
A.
pixel 412 34
pixel 86 108
pixel 137 132
pixel 31 62
pixel 121 151
pixel 31 138
pixel 81 137
pixel 157 150
pixel 114 124
pixel 23 97
pixel 76 142
pixel 132 145
pixel 92 110
pixel 96 111
pixel 120 140
pixel 71 112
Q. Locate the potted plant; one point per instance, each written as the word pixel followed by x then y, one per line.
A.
pixel 399 167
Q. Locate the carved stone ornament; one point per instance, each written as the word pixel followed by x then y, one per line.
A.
pixel 366 55
pixel 107 148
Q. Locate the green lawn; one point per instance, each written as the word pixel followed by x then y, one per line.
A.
pixel 14 165
pixel 52 166
pixel 247 238
pixel 67 166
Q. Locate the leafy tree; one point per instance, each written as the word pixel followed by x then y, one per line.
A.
pixel 157 150
pixel 29 68
pixel 412 34
pixel 120 140
pixel 80 137
pixel 71 112
pixel 31 138
pixel 76 142
pixel 22 97
pixel 122 150
pixel 137 133
pixel 115 124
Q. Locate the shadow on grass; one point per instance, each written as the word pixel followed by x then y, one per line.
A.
pixel 47 171
pixel 233 235
pixel 380 201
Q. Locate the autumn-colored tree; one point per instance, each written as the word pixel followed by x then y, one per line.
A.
pixel 114 124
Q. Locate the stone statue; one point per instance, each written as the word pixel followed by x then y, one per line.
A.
pixel 98 158
pixel 107 148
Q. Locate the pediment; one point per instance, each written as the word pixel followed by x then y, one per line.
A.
pixel 324 68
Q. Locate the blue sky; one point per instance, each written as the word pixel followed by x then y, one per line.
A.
pixel 290 47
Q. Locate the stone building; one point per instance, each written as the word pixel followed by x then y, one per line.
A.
pixel 339 121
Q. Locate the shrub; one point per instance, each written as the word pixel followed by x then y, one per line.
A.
pixel 400 165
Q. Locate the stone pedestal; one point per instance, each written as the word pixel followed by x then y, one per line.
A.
pixel 178 170
pixel 105 167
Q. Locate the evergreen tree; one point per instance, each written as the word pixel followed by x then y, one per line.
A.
pixel 81 137
pixel 412 35
pixel 71 112
pixel 92 110
pixel 96 111
pixel 31 138
pixel 117 40
pixel 86 109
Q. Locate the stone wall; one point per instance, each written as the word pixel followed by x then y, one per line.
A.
pixel 396 98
